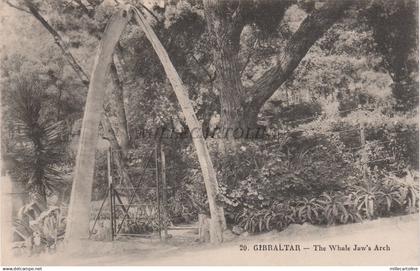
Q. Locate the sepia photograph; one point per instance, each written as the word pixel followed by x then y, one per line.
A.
pixel 209 133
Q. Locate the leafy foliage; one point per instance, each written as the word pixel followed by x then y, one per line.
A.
pixel 39 142
pixel 393 196
pixel 40 230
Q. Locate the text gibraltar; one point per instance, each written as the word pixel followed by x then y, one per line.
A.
pixel 277 247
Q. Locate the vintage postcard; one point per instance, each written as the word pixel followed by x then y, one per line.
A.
pixel 209 133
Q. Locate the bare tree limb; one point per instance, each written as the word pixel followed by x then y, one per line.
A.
pixel 310 30
pixel 16 7
pixel 151 13
pixel 59 41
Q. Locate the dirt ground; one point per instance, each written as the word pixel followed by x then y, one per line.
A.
pixel 392 241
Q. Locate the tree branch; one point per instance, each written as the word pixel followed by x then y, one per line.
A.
pixel 18 8
pixel 151 13
pixel 59 41
pixel 310 30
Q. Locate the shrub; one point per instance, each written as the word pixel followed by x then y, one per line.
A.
pixel 278 216
pixel 390 196
pixel 338 208
pixel 408 190
pixel 42 230
pixel 262 173
pixel 309 210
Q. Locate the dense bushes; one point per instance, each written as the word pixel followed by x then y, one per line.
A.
pixel 317 178
pixel 390 197
pixel 289 168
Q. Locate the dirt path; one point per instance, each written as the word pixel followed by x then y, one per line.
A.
pixel 398 238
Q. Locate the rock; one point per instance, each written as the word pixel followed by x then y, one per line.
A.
pixel 237 230
pixel 245 234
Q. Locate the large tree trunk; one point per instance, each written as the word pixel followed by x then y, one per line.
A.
pixel 225 20
pixel 218 223
pixel 226 31
pixel 79 209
